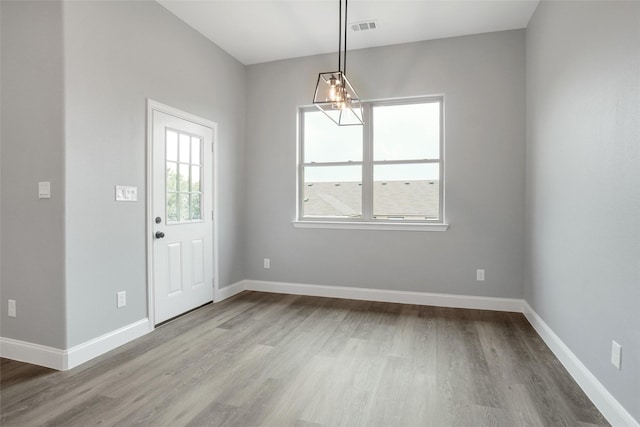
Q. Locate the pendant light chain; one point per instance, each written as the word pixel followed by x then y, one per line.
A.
pixel 344 61
pixel 339 35
pixel 334 95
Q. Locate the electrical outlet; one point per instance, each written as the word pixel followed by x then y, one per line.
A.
pixel 267 263
pixel 122 299
pixel 480 275
pixel 616 354
pixel 11 308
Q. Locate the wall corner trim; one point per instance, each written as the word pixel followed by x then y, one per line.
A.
pixel 63 360
pixel 612 410
pixel 93 348
pixel 35 354
pixel 231 290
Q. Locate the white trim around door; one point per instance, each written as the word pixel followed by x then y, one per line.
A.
pixel 166 109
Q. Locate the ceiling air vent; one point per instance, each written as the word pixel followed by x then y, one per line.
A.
pixel 363 26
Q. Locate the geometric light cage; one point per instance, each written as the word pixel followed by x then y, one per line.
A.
pixel 336 98
pixel 334 95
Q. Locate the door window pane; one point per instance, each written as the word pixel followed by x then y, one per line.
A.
pixel 195 206
pixel 406 132
pixel 183 206
pixel 195 178
pixel 172 207
pixel 185 148
pixel 172 176
pixel 183 177
pixel 405 192
pixel 172 146
pixel 333 191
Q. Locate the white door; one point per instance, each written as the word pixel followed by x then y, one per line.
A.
pixel 182 212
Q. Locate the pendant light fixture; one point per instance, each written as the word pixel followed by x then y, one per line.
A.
pixel 334 94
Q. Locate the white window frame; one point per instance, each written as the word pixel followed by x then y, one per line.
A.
pixel 368 222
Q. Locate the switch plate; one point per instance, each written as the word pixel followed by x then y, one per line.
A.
pixel 480 275
pixel 122 299
pixel 44 190
pixel 616 354
pixel 267 263
pixel 126 194
pixel 11 308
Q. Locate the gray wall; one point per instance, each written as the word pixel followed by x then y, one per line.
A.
pixel 32 143
pixel 583 183
pixel 482 79
pixel 75 79
pixel 117 54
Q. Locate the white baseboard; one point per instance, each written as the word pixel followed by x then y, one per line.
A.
pixel 86 351
pixel 35 354
pixel 612 410
pixel 231 290
pixel 63 360
pixel 382 295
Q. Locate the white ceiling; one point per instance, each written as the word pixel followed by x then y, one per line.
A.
pixel 255 31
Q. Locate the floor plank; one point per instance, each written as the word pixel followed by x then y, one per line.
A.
pixel 261 359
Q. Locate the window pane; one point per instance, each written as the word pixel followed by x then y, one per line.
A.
pixel 406 191
pixel 183 206
pixel 172 176
pixel 406 132
pixel 195 178
pixel 333 191
pixel 183 177
pixel 172 207
pixel 324 141
pixel 172 146
pixel 195 206
pixel 185 147
pixel 195 150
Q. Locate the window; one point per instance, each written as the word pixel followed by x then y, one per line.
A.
pixel 184 174
pixel 389 170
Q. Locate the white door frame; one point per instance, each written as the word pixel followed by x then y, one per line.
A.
pixel 157 106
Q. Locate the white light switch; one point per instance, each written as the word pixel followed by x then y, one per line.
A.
pixel 126 194
pixel 122 299
pixel 44 190
pixel 11 312
pixel 616 354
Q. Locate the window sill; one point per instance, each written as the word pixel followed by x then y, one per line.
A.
pixel 386 226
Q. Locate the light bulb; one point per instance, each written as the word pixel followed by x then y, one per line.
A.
pixel 332 89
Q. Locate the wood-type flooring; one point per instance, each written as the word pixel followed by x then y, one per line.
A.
pixel 261 359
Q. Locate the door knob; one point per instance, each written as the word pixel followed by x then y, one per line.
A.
pixel 159 234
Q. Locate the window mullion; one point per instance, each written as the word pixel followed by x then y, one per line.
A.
pixel 367 167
